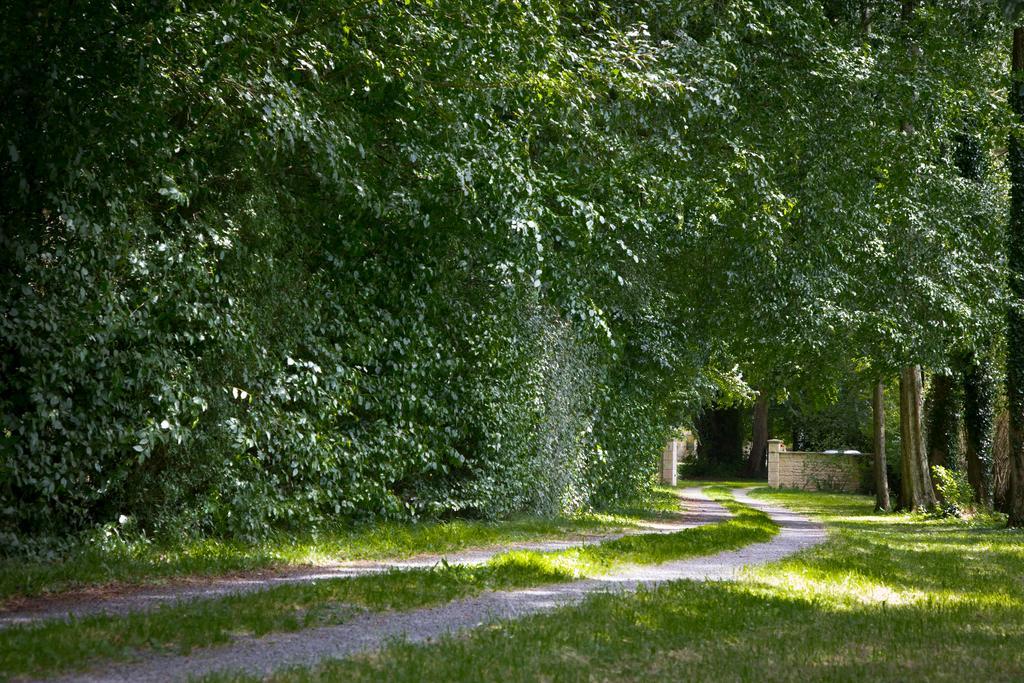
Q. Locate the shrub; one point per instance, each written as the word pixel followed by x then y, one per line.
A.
pixel 955 492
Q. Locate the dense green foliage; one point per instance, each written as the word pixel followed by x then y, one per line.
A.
pixel 322 263
pixel 835 420
pixel 263 265
pixel 956 495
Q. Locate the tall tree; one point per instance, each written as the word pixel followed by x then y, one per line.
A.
pixel 978 398
pixel 979 419
pixel 943 420
pixel 880 468
pixel 917 492
pixel 1015 264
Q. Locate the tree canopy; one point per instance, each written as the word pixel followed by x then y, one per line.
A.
pixel 271 263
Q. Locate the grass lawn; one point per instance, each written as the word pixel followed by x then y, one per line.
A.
pixel 134 563
pixel 888 597
pixel 58 645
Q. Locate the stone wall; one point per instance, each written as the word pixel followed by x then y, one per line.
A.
pixel 814 471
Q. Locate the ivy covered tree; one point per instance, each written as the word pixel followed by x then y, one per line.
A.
pixel 1015 264
pixel 979 423
pixel 943 429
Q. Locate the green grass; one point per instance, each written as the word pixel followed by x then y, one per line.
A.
pixel 888 597
pixel 126 564
pixel 57 646
pixel 745 527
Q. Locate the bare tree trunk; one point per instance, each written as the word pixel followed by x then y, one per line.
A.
pixel 1015 262
pixel 881 478
pixel 759 435
pixel 906 443
pixel 917 492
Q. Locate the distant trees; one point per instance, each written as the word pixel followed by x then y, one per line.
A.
pixel 720 431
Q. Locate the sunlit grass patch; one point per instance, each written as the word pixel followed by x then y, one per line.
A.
pixel 745 527
pixel 892 559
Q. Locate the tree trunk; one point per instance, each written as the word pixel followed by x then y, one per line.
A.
pixel 979 416
pixel 865 18
pixel 978 399
pixel 1015 263
pixel 759 436
pixel 943 422
pixel 881 476
pixel 1001 463
pixel 917 492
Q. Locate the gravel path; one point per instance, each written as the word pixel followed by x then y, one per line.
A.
pixel 370 631
pixel 150 597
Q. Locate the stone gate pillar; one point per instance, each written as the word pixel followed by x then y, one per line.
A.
pixel 774 475
pixel 670 463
